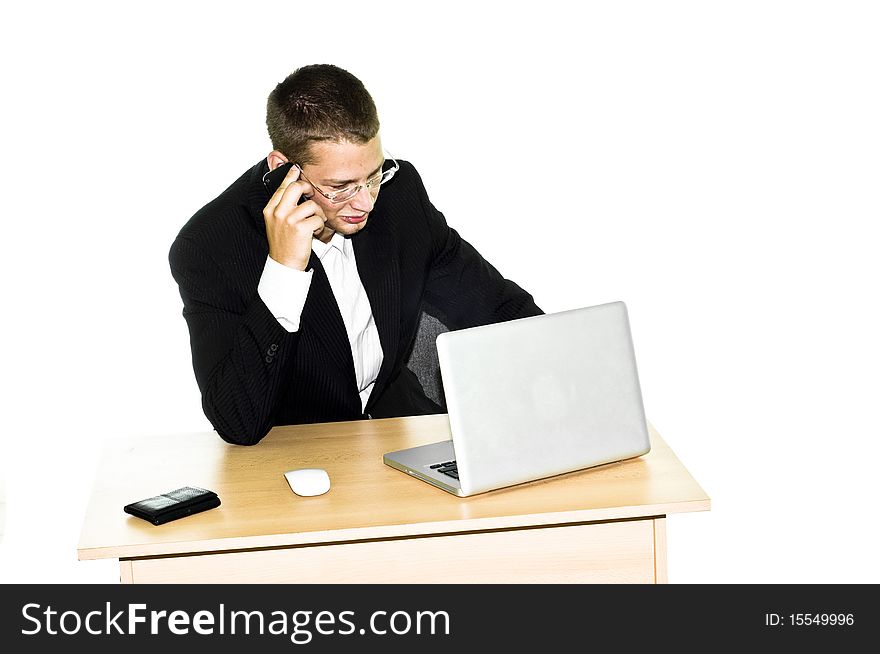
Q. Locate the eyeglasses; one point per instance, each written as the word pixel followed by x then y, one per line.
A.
pixel 347 193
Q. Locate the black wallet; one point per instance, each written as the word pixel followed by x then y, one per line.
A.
pixel 176 504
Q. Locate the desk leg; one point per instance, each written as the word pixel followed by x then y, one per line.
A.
pixel 660 551
pixel 126 575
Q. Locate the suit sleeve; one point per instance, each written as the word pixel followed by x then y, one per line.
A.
pixel 240 352
pixel 461 283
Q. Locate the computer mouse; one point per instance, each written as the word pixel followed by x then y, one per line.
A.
pixel 308 482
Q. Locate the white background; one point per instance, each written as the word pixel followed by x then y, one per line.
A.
pixel 714 165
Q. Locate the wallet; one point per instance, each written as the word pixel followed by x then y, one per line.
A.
pixel 171 506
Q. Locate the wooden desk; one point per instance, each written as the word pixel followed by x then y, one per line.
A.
pixel 378 524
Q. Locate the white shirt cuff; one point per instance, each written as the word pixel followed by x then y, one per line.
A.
pixel 284 291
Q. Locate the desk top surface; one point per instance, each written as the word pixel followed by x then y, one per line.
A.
pixel 367 499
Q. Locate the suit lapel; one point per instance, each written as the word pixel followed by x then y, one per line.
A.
pixel 321 316
pixel 379 271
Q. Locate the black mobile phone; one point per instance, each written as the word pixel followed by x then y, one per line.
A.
pixel 273 178
pixel 171 506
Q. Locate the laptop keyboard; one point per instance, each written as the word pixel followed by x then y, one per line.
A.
pixel 449 468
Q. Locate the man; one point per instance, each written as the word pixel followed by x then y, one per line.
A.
pixel 302 305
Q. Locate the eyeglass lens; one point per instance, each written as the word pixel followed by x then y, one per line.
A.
pixel 372 185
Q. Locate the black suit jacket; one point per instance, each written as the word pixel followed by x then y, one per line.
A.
pixel 253 374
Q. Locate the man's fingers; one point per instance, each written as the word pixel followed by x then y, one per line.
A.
pixel 316 222
pixel 313 217
pixel 291 176
pixel 299 212
pixel 292 196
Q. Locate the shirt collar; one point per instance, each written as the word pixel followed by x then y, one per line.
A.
pixel 338 241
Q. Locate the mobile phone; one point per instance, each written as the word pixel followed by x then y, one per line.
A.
pixel 273 178
pixel 171 506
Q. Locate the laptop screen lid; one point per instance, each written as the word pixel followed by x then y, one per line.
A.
pixel 542 396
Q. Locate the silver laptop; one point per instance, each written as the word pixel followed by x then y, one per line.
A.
pixel 533 398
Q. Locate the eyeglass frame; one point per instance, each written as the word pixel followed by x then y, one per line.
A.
pixel 357 189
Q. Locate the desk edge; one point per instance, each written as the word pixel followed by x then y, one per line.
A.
pixel 388 532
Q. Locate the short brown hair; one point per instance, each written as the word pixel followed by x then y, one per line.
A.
pixel 320 102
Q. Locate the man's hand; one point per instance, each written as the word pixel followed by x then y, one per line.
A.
pixel 290 226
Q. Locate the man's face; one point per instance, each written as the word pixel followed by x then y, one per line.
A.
pixel 338 166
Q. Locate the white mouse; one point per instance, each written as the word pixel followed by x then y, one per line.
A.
pixel 308 482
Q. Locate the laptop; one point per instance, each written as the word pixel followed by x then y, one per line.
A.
pixel 533 398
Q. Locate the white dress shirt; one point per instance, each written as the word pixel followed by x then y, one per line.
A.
pixel 284 291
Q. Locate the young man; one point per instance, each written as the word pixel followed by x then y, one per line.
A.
pixel 303 304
